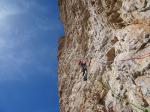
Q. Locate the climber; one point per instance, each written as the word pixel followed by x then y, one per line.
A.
pixel 83 65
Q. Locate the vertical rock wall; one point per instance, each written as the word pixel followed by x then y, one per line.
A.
pixel 114 37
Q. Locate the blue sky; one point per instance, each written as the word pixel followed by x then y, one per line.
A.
pixel 29 31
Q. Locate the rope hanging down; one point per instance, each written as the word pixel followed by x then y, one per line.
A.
pixel 121 99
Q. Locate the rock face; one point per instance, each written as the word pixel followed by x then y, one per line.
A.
pixel 113 36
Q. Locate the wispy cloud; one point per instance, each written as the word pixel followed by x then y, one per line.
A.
pixel 21 46
pixel 13 53
pixel 15 7
pixel 7 9
pixel 5 12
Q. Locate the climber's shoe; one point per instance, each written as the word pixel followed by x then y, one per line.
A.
pixel 85 79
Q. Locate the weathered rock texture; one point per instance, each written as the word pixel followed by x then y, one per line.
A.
pixel 114 37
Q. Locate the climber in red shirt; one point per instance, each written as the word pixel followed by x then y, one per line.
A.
pixel 83 65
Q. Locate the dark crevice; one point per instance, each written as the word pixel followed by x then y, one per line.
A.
pixel 144 44
pixel 111 55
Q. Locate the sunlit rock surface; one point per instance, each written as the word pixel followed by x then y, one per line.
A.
pixel 113 36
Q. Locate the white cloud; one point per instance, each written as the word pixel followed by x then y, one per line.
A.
pixel 7 10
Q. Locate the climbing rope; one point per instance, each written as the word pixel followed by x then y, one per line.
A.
pixel 134 58
pixel 138 57
pixel 121 99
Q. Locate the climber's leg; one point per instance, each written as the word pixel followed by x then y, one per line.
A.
pixel 83 72
pixel 85 75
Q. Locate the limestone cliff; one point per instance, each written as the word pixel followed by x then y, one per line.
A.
pixel 114 38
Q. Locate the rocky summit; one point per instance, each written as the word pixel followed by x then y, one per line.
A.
pixel 111 40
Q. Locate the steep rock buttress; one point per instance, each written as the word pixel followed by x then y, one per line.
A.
pixel 114 37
